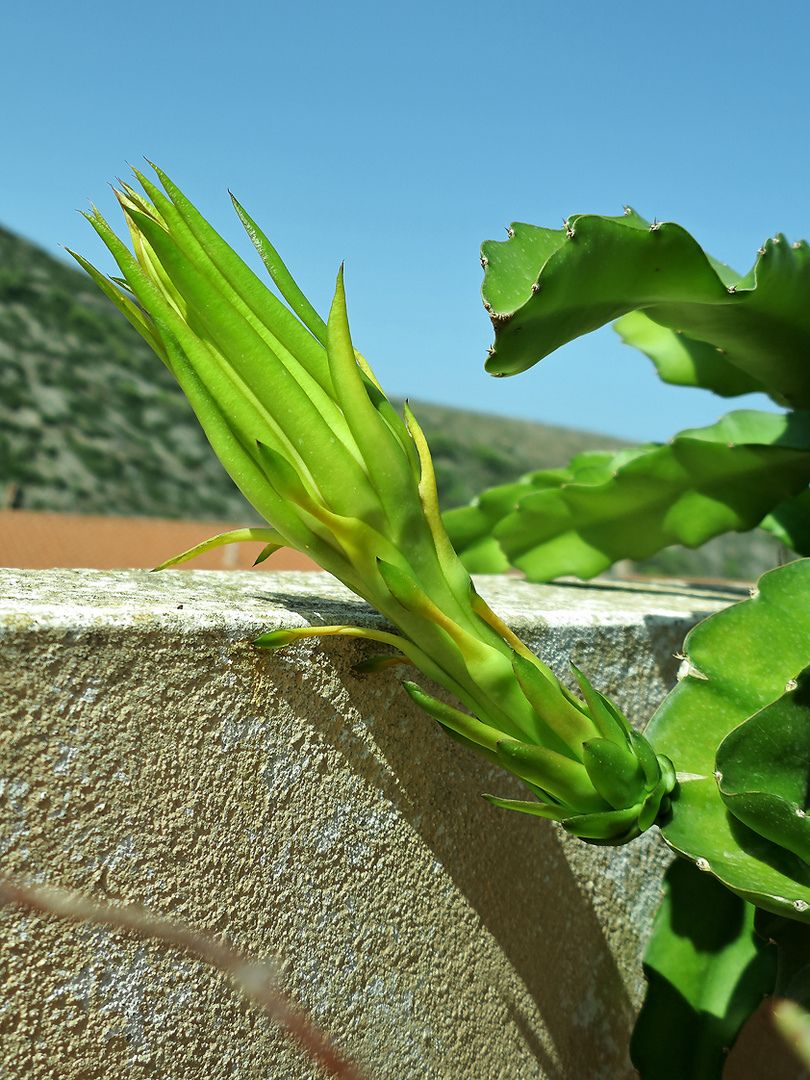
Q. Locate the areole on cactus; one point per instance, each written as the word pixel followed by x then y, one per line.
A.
pixel 303 427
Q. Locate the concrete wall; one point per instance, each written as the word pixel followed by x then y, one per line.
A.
pixel 149 753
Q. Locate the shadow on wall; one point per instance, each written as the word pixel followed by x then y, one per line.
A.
pixel 511 868
pixel 304 811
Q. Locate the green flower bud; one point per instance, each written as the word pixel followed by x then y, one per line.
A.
pixel 301 424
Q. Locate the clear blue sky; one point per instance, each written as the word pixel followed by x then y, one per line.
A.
pixel 399 136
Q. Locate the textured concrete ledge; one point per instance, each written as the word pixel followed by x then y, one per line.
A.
pixel 149 753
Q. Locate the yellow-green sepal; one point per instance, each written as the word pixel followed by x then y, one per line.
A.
pixel 563 778
pixel 282 277
pixel 480 736
pixel 124 303
pixel 611 828
pixel 525 806
pixel 265 553
pixel 270 537
pixel 277 639
pixel 548 699
pixel 404 588
pixel 611 723
pixel 615 772
pixel 657 805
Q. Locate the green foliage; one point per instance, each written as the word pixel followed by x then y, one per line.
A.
pixel 789 522
pixel 763 766
pixel 302 426
pixel 744 663
pixel 737 725
pixel 682 360
pixel 792 941
pixel 707 970
pixel 474 530
pixel 545 287
pixel 601 509
pixel 701 325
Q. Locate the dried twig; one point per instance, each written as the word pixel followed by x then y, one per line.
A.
pixel 256 979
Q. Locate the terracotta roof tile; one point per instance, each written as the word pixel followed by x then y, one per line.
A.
pixel 36 540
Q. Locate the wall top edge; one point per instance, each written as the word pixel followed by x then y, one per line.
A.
pixel 246 603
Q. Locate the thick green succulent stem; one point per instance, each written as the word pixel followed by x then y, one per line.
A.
pixel 738 726
pixel 298 419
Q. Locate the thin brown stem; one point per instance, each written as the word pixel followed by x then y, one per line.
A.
pixel 256 979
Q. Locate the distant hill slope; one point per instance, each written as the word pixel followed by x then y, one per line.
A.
pixel 91 422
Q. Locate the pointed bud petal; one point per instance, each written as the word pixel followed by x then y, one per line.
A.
pixel 538 809
pixel 237 536
pixel 572 726
pixel 565 780
pixel 615 772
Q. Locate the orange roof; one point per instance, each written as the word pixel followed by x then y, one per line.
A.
pixel 38 540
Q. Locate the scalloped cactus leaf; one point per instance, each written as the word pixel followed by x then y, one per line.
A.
pixel 739 662
pixel 512 266
pixel 790 522
pixel 763 767
pixel 682 360
pixel 706 970
pixel 545 287
pixel 707 481
pixel 470 528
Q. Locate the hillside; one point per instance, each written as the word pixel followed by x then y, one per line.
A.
pixel 91 422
